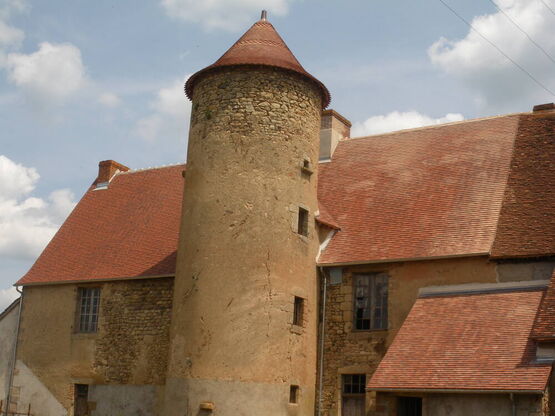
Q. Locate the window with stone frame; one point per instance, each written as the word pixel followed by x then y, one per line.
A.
pixel 370 301
pixel 87 309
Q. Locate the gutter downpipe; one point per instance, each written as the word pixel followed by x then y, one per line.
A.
pixel 322 333
pixel 512 397
pixel 14 355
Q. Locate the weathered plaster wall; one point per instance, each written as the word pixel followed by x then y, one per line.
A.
pixel 130 346
pixel 350 352
pixel 525 270
pixel 8 328
pixel 124 400
pixel 241 261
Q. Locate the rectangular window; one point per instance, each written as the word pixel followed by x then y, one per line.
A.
pixel 302 228
pixel 370 301
pixel 409 406
pixel 294 394
pixel 89 301
pixel 353 395
pixel 298 311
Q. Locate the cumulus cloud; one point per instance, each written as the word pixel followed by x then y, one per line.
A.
pixel 230 15
pixel 399 121
pixel 7 296
pixel 27 223
pixel 170 114
pixel 53 73
pixel 496 80
pixel 109 99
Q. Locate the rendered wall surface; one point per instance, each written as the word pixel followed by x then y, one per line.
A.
pixel 130 346
pixel 8 328
pixel 241 261
pixel 124 400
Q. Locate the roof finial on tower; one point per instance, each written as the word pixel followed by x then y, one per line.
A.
pixel 264 15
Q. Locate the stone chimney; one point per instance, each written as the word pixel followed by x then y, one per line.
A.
pixel 107 169
pixel 333 128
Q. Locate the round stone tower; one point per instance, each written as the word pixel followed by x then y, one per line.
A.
pixel 244 324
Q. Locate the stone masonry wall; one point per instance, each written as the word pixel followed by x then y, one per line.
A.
pixel 134 320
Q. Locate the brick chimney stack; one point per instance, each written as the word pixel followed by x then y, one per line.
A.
pixel 107 169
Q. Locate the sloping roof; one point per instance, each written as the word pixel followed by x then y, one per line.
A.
pixel 9 308
pixel 527 221
pixel 466 342
pixel 544 327
pixel 260 45
pixel 428 192
pixel 128 230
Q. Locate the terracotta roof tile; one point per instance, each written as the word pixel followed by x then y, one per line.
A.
pixel 325 218
pixel 428 192
pixel 544 327
pixel 128 230
pixel 260 45
pixel 472 342
pixel 527 220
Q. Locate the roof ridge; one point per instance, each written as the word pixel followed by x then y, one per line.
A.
pixel 432 126
pixel 151 168
pixel 481 288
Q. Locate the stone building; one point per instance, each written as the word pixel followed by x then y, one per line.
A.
pixel 289 269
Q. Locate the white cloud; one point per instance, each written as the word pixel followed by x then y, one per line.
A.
pixel 10 37
pixel 7 296
pixel 170 116
pixel 497 81
pixel 230 15
pixel 109 99
pixel 27 223
pixel 50 75
pixel 399 121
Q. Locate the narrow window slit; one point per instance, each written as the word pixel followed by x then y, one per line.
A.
pixel 302 228
pixel 294 394
pixel 298 311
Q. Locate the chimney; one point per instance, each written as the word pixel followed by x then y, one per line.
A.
pixel 106 170
pixel 334 127
pixel 544 107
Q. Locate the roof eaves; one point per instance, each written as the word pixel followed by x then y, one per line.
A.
pixel 400 259
pixel 94 280
pixel 469 390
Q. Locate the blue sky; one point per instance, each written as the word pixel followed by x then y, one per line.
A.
pixel 84 81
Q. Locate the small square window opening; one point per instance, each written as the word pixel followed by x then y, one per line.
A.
pixel 298 311
pixel 302 228
pixel 294 394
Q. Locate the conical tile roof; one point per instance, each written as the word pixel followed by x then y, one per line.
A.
pixel 260 45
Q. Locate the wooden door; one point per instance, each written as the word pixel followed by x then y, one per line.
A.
pixel 353 406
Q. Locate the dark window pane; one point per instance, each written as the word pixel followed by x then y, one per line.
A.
pixel 89 301
pixel 370 301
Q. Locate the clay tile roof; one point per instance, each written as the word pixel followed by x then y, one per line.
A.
pixel 428 192
pixel 260 45
pixel 129 229
pixel 325 218
pixel 527 220
pixel 466 342
pixel 544 327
